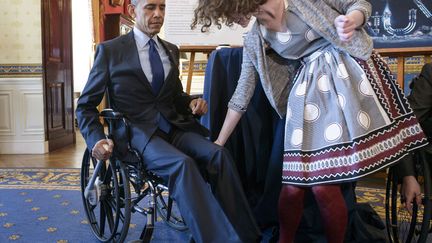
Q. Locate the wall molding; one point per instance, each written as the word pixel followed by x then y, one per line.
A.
pixel 21 81
pixel 23 147
pixel 22 128
pixel 21 70
pixel 29 100
pixel 7 128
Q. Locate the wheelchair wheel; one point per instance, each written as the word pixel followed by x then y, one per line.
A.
pixel 401 225
pixel 169 212
pixel 109 218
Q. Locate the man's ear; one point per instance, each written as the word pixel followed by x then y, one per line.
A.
pixel 131 10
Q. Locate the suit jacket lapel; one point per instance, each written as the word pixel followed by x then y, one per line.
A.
pixel 172 59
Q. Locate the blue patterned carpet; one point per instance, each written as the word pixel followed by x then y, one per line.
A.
pixel 44 205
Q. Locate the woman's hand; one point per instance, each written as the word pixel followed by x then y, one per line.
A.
pixel 219 142
pixel 347 24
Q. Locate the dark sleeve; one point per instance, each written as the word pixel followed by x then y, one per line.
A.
pixel 420 97
pixel 405 167
pixel 420 100
pixel 91 96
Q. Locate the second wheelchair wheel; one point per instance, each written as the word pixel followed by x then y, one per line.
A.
pixel 425 209
pixel 401 225
pixel 109 212
pixel 169 211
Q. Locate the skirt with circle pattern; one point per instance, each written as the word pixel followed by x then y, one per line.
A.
pixel 346 118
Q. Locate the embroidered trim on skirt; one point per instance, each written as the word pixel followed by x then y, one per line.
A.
pixel 346 118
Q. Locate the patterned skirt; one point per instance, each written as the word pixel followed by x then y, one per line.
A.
pixel 346 118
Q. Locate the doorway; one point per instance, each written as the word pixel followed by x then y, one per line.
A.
pixel 67 58
pixel 83 46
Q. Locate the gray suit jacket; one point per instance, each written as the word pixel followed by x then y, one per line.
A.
pixel 275 73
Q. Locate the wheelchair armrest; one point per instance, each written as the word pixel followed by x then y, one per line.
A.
pixel 111 114
pixel 114 119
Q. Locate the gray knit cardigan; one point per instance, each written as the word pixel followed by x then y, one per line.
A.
pixel 276 74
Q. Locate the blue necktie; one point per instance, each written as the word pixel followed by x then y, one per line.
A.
pixel 157 67
pixel 158 80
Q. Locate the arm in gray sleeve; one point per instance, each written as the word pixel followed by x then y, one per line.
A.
pixel 346 6
pixel 245 85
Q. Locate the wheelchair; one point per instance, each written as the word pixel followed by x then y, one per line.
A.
pixel 112 190
pixel 401 225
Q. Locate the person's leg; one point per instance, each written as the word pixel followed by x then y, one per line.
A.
pixel 291 202
pixel 200 209
pixel 220 170
pixel 333 211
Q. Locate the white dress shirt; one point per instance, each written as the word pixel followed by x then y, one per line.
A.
pixel 141 41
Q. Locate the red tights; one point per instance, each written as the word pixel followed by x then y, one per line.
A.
pixel 332 207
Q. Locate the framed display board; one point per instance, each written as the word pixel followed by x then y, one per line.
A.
pixel 401 24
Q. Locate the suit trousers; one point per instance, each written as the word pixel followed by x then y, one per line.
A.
pixel 202 178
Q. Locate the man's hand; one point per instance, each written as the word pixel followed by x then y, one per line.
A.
pixel 103 149
pixel 410 191
pixel 198 106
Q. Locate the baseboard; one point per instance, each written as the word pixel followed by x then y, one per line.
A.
pixel 23 147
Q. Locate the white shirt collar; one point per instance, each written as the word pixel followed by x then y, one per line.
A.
pixel 142 39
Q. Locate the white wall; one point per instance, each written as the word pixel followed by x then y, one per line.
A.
pixel 21 90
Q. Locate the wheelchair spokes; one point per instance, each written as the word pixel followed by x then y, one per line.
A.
pixel 111 213
pixel 169 212
pixel 107 194
pixel 401 225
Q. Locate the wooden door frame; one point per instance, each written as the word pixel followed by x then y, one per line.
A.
pixel 45 35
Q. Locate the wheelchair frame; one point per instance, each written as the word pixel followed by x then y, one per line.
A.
pixel 401 225
pixel 106 192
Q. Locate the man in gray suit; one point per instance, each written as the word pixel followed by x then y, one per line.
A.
pixel 140 73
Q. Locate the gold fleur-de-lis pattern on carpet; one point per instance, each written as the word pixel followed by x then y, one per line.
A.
pixel 23 181
pixel 64 179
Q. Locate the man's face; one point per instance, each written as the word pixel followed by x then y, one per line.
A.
pixel 149 15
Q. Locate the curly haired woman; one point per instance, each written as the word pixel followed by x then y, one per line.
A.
pixel 345 115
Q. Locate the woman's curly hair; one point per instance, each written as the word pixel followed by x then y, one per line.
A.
pixel 217 12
